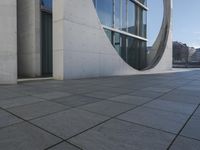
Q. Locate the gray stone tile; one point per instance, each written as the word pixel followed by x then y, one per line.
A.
pixel 52 95
pixel 172 106
pixel 25 137
pixel 77 100
pixel 163 120
pixel 192 128
pixel 197 113
pixel 107 108
pixel 119 135
pixel 157 89
pixel 102 95
pixel 117 90
pixel 7 119
pixel 19 101
pixel 64 146
pixel 5 94
pixel 37 109
pixel 181 98
pixel 149 94
pixel 68 123
pixel 182 143
pixel 136 100
pixel 80 90
pixel 186 92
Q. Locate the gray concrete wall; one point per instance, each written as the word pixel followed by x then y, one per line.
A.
pixel 8 42
pixel 82 49
pixel 29 64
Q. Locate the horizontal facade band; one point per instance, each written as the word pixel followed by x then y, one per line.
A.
pixel 125 33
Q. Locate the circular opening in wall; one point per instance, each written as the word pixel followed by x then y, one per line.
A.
pixel 125 23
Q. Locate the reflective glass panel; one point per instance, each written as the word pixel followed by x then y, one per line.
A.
pixel 124 15
pixel 118 17
pixel 105 11
pixel 46 4
pixel 123 47
pixel 117 43
pixel 141 27
pixel 131 17
pixel 144 2
pixel 109 34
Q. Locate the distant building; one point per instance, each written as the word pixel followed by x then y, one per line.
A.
pixel 185 55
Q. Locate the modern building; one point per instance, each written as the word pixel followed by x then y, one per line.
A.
pixel 70 39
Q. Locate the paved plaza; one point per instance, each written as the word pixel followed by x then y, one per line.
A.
pixel 143 112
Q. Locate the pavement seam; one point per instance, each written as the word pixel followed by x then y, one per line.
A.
pixel 177 135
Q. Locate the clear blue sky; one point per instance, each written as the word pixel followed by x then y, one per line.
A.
pixel 186 21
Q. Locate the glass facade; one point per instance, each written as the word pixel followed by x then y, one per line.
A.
pixel 144 2
pixel 46 4
pixel 125 23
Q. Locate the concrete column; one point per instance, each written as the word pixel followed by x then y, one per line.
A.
pixel 29 56
pixel 8 42
pixel 58 39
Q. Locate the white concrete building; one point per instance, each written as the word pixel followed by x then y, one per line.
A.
pixel 70 39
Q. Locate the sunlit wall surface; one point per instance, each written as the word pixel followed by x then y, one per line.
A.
pixel 125 23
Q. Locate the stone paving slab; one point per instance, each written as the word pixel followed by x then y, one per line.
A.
pixel 19 101
pixel 102 95
pixel 107 108
pixel 69 123
pixel 76 100
pixel 157 89
pixel 7 119
pixel 36 110
pixel 183 143
pixel 52 95
pixel 148 94
pixel 128 99
pixel 192 129
pixel 119 135
pixel 141 112
pixel 24 136
pixel 197 113
pixel 181 98
pixel 162 120
pixel 64 146
pixel 172 106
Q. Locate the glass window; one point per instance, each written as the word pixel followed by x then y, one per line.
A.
pixel 109 34
pixel 143 54
pixel 142 22
pixel 105 12
pixel 144 32
pixel 124 15
pixel 123 47
pixel 133 59
pixel 118 17
pixel 46 4
pixel 117 43
pixel 144 2
pixel 131 17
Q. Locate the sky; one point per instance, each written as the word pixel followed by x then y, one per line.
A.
pixel 186 21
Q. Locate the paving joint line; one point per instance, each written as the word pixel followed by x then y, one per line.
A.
pixel 189 118
pixel 113 117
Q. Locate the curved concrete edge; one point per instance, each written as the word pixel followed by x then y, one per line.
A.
pixel 8 42
pixel 81 48
pixel 161 51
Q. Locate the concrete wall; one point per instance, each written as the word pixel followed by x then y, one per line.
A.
pixel 82 49
pixel 29 64
pixel 8 42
